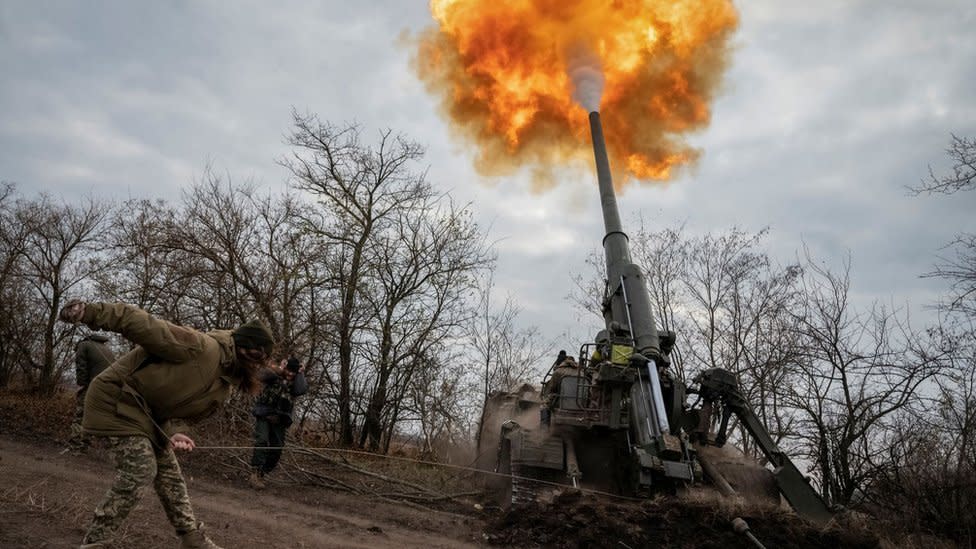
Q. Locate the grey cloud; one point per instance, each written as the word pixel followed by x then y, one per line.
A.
pixel 831 109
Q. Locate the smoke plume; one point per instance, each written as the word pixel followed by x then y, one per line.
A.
pixel 587 76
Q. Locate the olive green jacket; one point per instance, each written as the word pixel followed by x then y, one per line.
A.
pixel 92 356
pixel 175 375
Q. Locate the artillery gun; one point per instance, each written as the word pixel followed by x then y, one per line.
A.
pixel 618 421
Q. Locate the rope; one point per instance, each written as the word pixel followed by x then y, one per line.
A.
pixel 422 462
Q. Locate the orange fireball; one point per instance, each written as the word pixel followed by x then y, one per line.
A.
pixel 505 69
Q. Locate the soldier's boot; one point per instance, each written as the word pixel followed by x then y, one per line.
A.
pixel 103 544
pixel 74 450
pixel 76 445
pixel 196 539
pixel 256 480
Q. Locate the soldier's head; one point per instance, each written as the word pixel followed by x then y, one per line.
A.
pixel 253 344
pixel 253 339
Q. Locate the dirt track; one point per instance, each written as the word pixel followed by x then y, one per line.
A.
pixel 46 500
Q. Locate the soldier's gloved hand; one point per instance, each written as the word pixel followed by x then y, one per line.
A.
pixel 182 442
pixel 73 311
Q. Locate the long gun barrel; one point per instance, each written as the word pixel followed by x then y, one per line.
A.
pixel 627 305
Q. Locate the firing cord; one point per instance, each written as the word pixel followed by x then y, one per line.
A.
pixel 421 462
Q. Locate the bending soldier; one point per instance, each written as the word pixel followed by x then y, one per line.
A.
pixel 145 399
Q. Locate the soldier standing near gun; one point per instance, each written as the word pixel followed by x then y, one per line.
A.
pixel 564 366
pixel 92 356
pixel 273 412
pixel 145 399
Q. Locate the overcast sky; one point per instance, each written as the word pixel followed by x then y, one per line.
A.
pixel 830 110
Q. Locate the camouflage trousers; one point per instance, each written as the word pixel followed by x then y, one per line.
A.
pixel 137 463
pixel 78 439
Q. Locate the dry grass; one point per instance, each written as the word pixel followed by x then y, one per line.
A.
pixel 27 414
pixel 71 506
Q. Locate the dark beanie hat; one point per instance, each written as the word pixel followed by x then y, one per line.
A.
pixel 254 335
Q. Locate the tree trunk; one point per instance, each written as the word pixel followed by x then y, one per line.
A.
pixel 345 343
pixel 46 382
pixel 373 425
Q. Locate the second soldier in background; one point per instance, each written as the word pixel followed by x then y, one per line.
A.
pixel 92 356
pixel 273 412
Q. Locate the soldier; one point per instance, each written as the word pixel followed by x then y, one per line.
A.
pixel 92 356
pixel 560 358
pixel 273 412
pixel 144 401
pixel 564 366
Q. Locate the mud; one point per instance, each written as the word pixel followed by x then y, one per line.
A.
pixel 581 521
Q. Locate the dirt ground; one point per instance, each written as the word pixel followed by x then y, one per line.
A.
pixel 325 501
pixel 577 520
pixel 46 500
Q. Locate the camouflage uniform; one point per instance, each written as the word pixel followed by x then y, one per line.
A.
pixel 137 463
pixel 92 356
pixel 173 377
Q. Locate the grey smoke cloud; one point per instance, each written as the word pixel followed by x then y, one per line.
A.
pixel 587 76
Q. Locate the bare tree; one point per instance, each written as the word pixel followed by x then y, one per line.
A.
pixel 929 476
pixel 437 399
pixel 858 371
pixel 144 270
pixel 958 265
pixel 508 353
pixel 955 425
pixel 238 254
pixel 958 268
pixel 423 266
pixel 962 152
pixel 360 189
pixel 59 256
pixel 17 329
pixel 234 254
pixel 292 265
pixel 220 233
